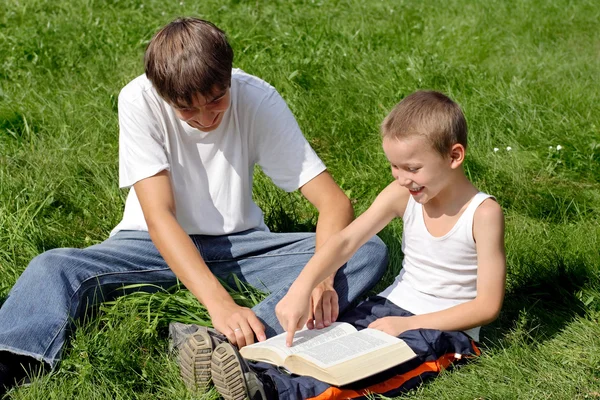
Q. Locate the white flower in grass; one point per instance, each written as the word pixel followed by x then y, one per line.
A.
pixel 508 148
pixel 496 149
pixel 550 148
pixel 558 147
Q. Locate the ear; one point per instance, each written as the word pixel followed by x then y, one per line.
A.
pixel 457 155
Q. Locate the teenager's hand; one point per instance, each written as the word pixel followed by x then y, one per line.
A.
pixel 239 324
pixel 324 306
pixel 292 312
pixel 393 325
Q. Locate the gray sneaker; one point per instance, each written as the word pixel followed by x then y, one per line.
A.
pixel 194 345
pixel 232 376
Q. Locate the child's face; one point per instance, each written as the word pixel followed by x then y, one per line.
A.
pixel 418 167
pixel 206 113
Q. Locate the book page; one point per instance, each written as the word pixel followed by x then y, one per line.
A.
pixel 306 338
pixel 349 346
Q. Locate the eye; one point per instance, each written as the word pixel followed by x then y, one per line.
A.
pixel 218 100
pixel 183 109
pixel 413 169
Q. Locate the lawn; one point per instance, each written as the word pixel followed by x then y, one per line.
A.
pixel 525 72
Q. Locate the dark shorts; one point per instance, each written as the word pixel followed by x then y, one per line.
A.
pixel 436 350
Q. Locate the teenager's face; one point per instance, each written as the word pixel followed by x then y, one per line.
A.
pixel 206 112
pixel 418 167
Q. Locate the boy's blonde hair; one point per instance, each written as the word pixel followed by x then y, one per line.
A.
pixel 430 114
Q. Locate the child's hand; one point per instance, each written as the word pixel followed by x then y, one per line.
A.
pixel 393 325
pixel 292 312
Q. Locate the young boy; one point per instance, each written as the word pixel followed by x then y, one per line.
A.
pixel 192 130
pixel 453 274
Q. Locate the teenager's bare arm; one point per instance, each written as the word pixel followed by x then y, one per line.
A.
pixel 293 308
pixel 335 213
pixel 488 231
pixel 156 198
pixel 335 210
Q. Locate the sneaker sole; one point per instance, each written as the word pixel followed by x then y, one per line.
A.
pixel 194 360
pixel 227 374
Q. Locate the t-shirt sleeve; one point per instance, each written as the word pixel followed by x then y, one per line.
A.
pixel 141 149
pixel 283 152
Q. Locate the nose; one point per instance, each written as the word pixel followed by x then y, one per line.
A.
pixel 404 181
pixel 205 118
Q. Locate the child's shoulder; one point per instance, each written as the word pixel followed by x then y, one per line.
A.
pixel 488 216
pixel 489 208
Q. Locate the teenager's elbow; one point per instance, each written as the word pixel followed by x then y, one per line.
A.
pixel 156 219
pixel 340 207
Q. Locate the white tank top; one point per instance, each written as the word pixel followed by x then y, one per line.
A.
pixel 437 272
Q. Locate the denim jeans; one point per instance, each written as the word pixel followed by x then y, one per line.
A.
pixel 59 285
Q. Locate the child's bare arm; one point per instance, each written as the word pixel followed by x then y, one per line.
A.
pixel 488 231
pixel 292 310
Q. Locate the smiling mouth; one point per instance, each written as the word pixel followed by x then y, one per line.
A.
pixel 416 190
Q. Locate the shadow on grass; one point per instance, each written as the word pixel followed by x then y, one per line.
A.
pixel 539 306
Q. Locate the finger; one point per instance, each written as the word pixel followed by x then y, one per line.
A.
pixel 257 327
pixel 335 308
pixel 231 336
pixel 318 314
pixel 239 337
pixel 310 324
pixel 327 311
pixel 247 333
pixel 289 338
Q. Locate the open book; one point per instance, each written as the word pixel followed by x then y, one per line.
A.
pixel 338 354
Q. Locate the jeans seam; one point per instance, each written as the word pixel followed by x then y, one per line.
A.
pixel 60 329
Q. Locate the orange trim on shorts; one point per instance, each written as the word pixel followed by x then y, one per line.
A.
pixel 475 348
pixel 395 382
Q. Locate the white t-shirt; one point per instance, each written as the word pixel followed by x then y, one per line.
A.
pixel 437 272
pixel 211 172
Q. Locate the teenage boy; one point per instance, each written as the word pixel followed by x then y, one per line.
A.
pixel 453 274
pixel 191 131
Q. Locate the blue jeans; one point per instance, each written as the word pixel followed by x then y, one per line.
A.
pixel 59 285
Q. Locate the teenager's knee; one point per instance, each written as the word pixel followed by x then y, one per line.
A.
pixel 52 265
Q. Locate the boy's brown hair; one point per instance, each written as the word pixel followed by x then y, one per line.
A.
pixel 188 57
pixel 430 114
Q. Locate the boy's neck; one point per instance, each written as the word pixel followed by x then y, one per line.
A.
pixel 452 199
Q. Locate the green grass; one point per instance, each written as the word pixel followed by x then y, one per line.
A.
pixel 525 72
